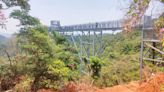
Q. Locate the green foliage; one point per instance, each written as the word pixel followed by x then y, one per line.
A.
pixel 43 49
pixel 135 1
pixel 58 38
pixel 58 74
pixel 120 45
pixel 96 65
pixel 119 71
pixel 68 55
pixel 24 85
pixel 12 3
pixel 159 23
pixel 38 42
pixel 10 75
pixel 126 48
pixel 59 69
pixel 24 18
pixel 120 58
pixel 69 59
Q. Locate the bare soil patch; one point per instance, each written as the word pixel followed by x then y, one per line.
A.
pixel 154 84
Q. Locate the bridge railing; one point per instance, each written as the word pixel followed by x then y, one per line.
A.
pixel 94 26
pixel 109 25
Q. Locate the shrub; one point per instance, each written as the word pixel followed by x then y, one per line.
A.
pixel 95 64
pixel 118 72
pixel 57 75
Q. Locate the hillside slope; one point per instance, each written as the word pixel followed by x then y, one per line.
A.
pixel 2 38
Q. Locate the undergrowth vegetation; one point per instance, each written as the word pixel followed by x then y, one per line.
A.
pixel 41 62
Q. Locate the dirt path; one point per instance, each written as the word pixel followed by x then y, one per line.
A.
pixel 132 87
pixel 152 85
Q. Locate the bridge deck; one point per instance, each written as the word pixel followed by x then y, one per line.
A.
pixel 111 25
pixel 105 26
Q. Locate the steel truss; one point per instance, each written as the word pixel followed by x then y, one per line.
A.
pixel 87 43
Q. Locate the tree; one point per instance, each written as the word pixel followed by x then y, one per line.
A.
pixel 49 54
pixel 58 38
pixel 96 65
pixel 6 4
pixel 57 71
pixel 43 56
pixel 23 4
pixel 136 12
pixel 159 23
pixel 24 18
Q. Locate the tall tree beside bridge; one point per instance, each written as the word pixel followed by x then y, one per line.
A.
pixel 6 4
pixel 135 13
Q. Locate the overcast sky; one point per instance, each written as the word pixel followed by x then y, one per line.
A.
pixel 72 11
pixel 76 11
